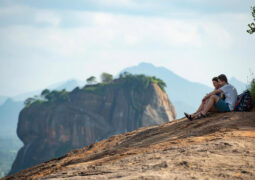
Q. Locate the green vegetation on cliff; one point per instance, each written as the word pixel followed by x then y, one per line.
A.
pixel 126 80
pixel 131 83
pixel 141 81
pixel 48 97
pixel 106 77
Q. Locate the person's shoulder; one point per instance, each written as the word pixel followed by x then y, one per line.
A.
pixel 233 87
pixel 224 86
pixel 230 85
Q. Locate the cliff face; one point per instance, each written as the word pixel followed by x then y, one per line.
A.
pixel 51 130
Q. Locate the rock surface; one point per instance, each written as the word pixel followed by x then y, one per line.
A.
pixel 51 130
pixel 221 146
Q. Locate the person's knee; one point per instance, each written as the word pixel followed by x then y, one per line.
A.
pixel 214 98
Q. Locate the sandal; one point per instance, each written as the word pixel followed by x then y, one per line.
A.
pixel 188 116
pixel 201 115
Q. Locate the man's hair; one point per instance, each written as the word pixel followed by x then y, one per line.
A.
pixel 215 79
pixel 223 77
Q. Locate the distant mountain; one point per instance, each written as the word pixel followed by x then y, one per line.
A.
pixel 9 142
pixel 9 112
pixel 10 109
pixel 68 85
pixel 2 99
pixel 185 95
pixel 8 150
pixel 240 86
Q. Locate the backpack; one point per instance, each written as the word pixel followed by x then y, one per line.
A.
pixel 244 102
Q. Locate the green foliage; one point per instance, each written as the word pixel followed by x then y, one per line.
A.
pixel 47 97
pixel 138 83
pixel 124 74
pixel 142 81
pixel 127 81
pixel 29 101
pixel 130 81
pixel 96 89
pixel 91 80
pixel 106 77
pixel 251 26
pixel 57 96
pixel 159 82
pixel 45 92
pixel 252 90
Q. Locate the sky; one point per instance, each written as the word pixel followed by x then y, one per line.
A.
pixel 43 42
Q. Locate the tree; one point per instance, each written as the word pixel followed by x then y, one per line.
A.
pixel 106 77
pixel 29 101
pixel 124 74
pixel 252 25
pixel 57 96
pixel 91 80
pixel 45 92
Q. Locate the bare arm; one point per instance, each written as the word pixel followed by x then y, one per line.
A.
pixel 212 93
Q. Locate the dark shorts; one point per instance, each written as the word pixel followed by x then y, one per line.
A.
pixel 218 94
pixel 222 106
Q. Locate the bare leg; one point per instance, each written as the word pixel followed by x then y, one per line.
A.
pixel 212 100
pixel 200 109
pixel 213 109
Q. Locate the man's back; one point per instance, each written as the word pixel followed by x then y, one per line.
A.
pixel 230 94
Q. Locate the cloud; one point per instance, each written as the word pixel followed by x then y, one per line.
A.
pixel 46 16
pixel 141 7
pixel 53 33
pixel 116 3
pixel 103 31
pixel 74 42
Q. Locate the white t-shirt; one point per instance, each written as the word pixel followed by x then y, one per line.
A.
pixel 230 94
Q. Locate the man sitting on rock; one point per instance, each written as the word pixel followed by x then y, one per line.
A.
pixel 213 101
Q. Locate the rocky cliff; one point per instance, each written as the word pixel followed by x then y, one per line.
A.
pixel 221 146
pixel 49 130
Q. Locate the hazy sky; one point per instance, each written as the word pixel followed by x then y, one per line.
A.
pixel 47 41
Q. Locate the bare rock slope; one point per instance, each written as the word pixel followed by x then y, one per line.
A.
pixel 221 146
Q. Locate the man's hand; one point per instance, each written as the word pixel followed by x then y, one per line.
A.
pixel 210 94
pixel 205 98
